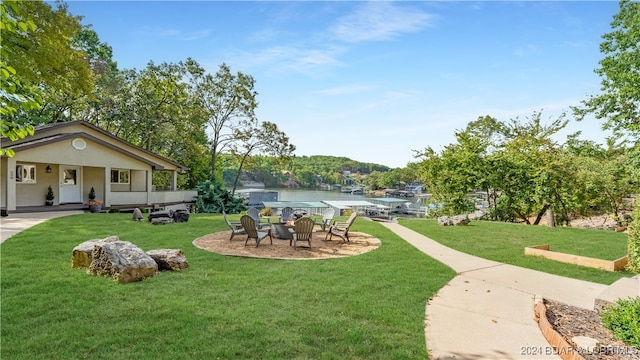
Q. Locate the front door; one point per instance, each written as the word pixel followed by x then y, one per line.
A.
pixel 70 180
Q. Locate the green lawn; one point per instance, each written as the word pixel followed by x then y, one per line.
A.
pixel 369 306
pixel 505 242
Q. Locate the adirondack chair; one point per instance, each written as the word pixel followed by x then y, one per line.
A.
pixel 255 215
pixel 249 226
pixel 327 216
pixel 286 214
pixel 340 229
pixel 302 231
pixel 236 227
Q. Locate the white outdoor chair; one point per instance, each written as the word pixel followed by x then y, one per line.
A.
pixel 327 216
pixel 341 229
pixel 236 227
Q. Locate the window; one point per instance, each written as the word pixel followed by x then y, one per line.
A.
pixel 70 177
pixel 26 174
pixel 119 176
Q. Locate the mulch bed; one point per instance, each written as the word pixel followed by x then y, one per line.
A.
pixel 570 321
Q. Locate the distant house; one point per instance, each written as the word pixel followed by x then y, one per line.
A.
pixel 416 188
pixel 72 157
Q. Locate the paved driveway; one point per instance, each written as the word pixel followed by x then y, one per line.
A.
pixel 14 223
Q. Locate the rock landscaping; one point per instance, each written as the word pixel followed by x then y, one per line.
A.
pixel 458 220
pixel 124 261
pixel 168 217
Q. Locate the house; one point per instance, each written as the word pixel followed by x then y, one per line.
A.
pixel 72 157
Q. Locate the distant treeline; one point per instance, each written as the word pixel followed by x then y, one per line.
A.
pixel 306 171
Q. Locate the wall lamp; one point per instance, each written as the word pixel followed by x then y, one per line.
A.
pixel 48 169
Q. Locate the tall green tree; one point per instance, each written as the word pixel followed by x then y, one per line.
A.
pixel 227 104
pixel 264 139
pixel 460 168
pixel 530 148
pixel 148 108
pixel 48 58
pixel 519 166
pixel 14 96
pixel 619 103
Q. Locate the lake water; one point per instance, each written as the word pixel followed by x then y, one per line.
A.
pixel 315 195
pixel 319 195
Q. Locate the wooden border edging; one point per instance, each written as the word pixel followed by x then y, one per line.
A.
pixel 557 342
pixel 545 252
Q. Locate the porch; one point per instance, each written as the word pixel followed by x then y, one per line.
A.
pixel 126 207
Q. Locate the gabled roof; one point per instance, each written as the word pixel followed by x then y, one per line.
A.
pixel 115 142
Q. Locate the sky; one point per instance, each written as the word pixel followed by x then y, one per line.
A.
pixel 376 81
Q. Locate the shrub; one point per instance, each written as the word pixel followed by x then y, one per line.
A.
pixel 633 253
pixel 623 319
pixel 212 198
pixel 49 196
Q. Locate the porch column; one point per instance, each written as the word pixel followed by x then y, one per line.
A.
pixel 174 180
pixel 10 179
pixel 107 186
pixel 149 186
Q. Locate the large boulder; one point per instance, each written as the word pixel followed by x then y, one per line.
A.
pixel 137 215
pixel 81 255
pixel 169 259
pixel 161 217
pixel 458 220
pixel 181 216
pixel 121 261
pixel 168 216
pixel 161 220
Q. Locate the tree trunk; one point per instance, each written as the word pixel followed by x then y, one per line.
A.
pixel 214 155
pixel 540 214
pixel 235 183
pixel 551 219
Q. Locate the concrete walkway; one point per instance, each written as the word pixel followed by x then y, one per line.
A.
pixel 14 223
pixel 486 311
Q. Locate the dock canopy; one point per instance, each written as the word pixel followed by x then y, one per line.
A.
pixel 390 202
pixel 311 207
pixel 355 205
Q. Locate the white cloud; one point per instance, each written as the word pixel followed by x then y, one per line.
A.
pixel 379 21
pixel 162 32
pixel 528 49
pixel 174 33
pixel 196 35
pixel 291 58
pixel 346 89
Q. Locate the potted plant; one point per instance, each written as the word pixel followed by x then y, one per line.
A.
pixel 94 205
pixel 49 196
